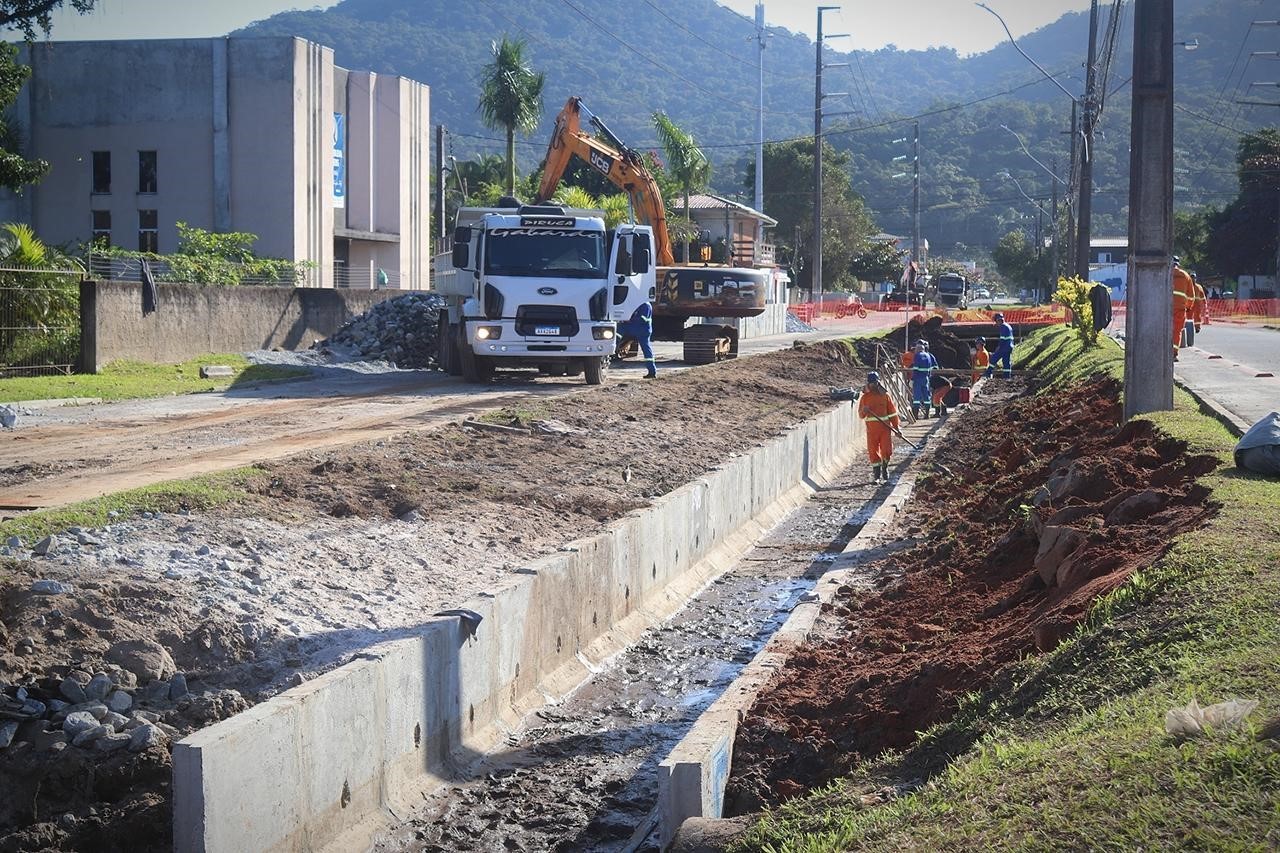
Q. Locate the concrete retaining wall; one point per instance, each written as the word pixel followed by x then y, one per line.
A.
pixel 322 765
pixel 193 319
pixel 772 322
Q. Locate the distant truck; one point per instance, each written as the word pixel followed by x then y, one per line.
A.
pixel 953 290
pixel 538 286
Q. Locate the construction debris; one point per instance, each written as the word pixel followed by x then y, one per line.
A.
pixel 402 331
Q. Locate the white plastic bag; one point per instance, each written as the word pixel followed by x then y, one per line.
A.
pixel 1192 721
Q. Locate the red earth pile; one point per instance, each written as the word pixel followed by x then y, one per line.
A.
pixel 1016 541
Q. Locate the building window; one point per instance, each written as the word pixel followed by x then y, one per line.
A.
pixel 102 228
pixel 148 231
pixel 146 171
pixel 1104 257
pixel 102 171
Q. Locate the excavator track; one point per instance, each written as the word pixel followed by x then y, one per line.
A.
pixel 707 343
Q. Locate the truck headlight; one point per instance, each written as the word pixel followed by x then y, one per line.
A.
pixel 488 333
pixel 602 333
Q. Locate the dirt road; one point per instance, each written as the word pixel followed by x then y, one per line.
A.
pixel 60 456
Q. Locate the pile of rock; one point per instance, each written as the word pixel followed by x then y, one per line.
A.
pixel 795 324
pixel 107 711
pixel 401 330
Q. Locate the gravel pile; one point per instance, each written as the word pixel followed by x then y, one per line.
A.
pixel 401 331
pixel 795 324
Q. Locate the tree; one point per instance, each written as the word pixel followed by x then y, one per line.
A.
pixel 41 308
pixel 1242 238
pixel 211 257
pixel 510 97
pixel 1191 239
pixel 28 17
pixel 788 179
pixel 686 163
pixel 877 261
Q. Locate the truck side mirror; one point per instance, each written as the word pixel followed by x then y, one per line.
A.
pixel 461 255
pixel 641 262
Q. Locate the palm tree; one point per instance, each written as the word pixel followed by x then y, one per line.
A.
pixel 685 161
pixel 510 97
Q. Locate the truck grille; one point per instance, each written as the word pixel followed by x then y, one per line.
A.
pixel 530 318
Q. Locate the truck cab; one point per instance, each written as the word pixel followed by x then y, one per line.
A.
pixel 536 286
pixel 953 290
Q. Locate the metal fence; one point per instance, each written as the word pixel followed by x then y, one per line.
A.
pixel 39 321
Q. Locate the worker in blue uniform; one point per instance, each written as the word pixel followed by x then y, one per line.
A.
pixel 922 366
pixel 640 327
pixel 1003 353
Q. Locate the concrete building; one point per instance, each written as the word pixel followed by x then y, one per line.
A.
pixel 264 135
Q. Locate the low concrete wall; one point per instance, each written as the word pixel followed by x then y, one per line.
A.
pixel 194 319
pixel 772 322
pixel 323 764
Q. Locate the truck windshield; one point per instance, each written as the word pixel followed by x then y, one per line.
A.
pixel 561 252
pixel 951 285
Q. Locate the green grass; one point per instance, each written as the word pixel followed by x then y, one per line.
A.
pixel 1068 750
pixel 127 380
pixel 197 493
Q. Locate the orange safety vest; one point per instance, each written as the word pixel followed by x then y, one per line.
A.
pixel 877 407
pixel 981 361
pixel 1184 291
pixel 1200 312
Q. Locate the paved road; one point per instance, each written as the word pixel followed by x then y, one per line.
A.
pixel 1225 364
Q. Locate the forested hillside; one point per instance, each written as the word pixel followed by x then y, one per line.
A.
pixel 697 61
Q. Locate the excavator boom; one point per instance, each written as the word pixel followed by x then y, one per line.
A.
pixel 620 165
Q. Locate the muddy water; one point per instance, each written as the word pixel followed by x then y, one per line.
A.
pixel 582 775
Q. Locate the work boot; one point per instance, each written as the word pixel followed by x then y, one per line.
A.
pixel 915 411
pixel 875 472
pixel 884 471
pixel 944 412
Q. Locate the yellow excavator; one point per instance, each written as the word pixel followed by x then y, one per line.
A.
pixel 685 290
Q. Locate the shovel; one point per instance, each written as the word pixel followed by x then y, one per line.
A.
pixel 898 432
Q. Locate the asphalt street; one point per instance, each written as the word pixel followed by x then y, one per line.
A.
pixel 1226 364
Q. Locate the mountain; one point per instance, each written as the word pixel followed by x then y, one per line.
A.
pixel 696 60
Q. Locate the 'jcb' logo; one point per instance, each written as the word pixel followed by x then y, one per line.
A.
pixel 602 162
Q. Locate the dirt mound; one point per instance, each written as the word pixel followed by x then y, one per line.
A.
pixel 58 795
pixel 949 350
pixel 557 487
pixel 1019 539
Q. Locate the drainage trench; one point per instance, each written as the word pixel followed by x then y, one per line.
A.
pixel 582 775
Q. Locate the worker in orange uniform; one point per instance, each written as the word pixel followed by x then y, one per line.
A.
pixel 876 407
pixel 1200 315
pixel 981 359
pixel 908 359
pixel 1184 300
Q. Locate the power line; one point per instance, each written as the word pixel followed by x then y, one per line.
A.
pixel 602 28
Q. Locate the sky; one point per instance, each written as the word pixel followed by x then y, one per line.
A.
pixel 871 23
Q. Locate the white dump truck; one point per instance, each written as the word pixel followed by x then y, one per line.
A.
pixel 539 286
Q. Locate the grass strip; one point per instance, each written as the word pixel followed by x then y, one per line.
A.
pixel 129 380
pixel 1068 750
pixel 197 493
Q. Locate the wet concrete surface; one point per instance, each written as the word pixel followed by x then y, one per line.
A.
pixel 582 775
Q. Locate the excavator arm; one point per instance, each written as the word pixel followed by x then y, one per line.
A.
pixel 622 166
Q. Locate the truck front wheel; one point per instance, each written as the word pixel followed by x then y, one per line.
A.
pixel 475 368
pixel 596 368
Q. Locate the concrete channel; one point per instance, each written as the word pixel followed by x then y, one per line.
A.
pixel 329 764
pixel 583 775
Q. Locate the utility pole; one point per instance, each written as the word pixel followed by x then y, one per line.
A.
pixel 816 269
pixel 1053 251
pixel 440 232
pixel 915 228
pixel 1075 174
pixel 1089 111
pixel 1148 359
pixel 759 198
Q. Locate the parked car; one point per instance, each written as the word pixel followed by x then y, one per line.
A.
pixel 981 292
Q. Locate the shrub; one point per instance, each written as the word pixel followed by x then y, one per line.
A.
pixel 1073 293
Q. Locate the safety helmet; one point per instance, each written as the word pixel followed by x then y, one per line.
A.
pixel 873 377
pixel 1176 260
pixel 925 344
pixel 999 318
pixel 980 339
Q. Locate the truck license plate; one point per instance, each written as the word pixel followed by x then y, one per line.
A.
pixel 553 331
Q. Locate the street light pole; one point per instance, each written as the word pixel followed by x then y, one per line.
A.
pixel 915 228
pixel 1084 207
pixel 759 188
pixel 816 271
pixel 1148 364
